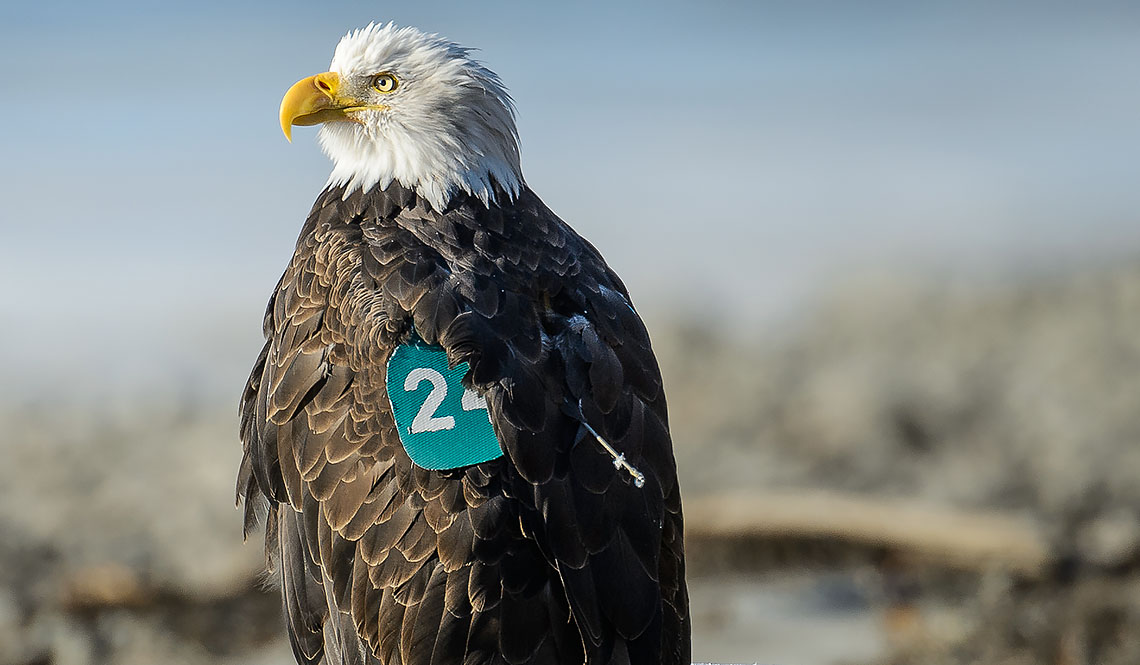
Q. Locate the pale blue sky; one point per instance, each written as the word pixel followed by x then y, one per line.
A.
pixel 729 153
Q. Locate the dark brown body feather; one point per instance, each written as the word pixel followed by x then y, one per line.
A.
pixel 546 555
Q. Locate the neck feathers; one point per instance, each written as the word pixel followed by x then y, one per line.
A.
pixel 435 155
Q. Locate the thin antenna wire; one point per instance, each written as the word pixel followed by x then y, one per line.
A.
pixel 619 458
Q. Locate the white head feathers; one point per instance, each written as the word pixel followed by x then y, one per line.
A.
pixel 449 126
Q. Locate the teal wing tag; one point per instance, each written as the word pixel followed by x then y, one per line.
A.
pixel 442 424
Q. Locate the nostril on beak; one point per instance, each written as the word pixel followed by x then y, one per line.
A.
pixel 322 85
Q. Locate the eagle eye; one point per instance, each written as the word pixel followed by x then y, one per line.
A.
pixel 384 83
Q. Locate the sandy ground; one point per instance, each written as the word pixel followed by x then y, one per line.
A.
pixel 120 543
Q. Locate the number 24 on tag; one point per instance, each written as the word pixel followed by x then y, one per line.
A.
pixel 426 419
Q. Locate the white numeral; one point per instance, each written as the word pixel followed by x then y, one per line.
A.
pixel 426 420
pixel 472 400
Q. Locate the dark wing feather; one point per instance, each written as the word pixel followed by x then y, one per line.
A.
pixel 547 555
pixel 301 592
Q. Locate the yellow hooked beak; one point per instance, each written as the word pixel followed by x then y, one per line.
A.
pixel 317 99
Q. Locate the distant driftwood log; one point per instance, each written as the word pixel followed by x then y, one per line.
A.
pixel 955 538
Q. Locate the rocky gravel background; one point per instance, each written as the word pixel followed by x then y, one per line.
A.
pixel 119 542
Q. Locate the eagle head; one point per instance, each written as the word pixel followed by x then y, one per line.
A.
pixel 400 105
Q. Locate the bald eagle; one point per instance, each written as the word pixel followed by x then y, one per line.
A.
pixel 456 430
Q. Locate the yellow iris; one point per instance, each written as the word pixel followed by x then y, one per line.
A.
pixel 384 83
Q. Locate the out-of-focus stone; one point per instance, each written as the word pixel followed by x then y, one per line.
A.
pixel 104 586
pixel 1110 540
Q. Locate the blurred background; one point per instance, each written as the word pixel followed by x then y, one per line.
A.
pixel 889 254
